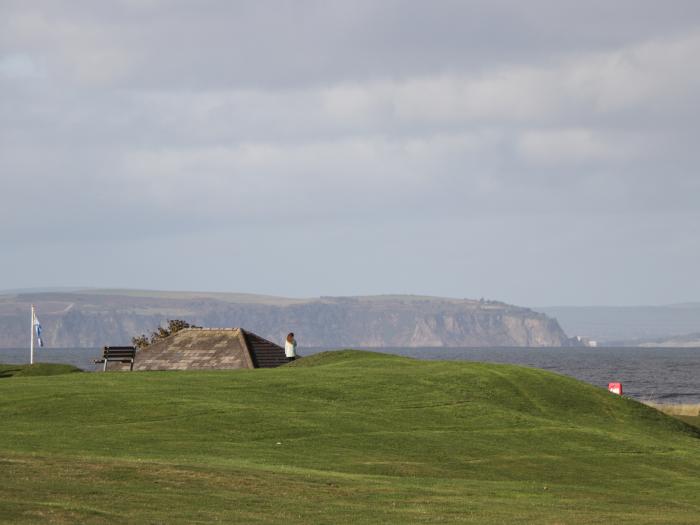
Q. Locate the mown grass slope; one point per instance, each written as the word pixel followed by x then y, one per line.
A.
pixel 345 437
pixel 37 369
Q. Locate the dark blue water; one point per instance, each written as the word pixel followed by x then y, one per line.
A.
pixel 664 375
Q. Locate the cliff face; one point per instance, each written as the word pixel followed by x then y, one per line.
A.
pixel 94 319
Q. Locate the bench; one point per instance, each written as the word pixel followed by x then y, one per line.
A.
pixel 122 354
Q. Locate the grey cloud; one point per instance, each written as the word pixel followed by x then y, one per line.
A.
pixel 271 44
pixel 468 149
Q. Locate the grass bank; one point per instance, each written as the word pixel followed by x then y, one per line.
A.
pixel 37 369
pixel 347 437
pixel 678 409
pixel 689 412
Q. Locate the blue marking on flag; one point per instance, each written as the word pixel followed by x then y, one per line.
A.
pixel 37 327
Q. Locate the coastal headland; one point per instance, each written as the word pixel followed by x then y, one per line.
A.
pixel 93 318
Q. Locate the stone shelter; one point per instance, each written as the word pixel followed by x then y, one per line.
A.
pixel 209 349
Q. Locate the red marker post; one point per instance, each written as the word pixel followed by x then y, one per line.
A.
pixel 615 388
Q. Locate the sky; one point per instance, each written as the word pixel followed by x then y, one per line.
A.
pixel 539 153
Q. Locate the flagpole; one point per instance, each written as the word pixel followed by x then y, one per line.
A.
pixel 31 345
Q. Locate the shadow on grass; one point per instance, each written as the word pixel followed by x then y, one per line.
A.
pixel 7 371
pixel 37 369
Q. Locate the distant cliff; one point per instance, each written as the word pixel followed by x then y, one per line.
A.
pixel 94 318
pixel 631 325
pixel 679 341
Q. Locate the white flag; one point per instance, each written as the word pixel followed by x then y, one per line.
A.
pixel 37 329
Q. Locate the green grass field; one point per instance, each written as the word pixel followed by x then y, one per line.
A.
pixel 37 369
pixel 345 437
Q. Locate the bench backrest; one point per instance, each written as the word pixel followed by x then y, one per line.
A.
pixel 115 352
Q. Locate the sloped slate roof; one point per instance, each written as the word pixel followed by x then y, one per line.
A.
pixel 210 349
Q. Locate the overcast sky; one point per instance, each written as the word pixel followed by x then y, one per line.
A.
pixel 539 153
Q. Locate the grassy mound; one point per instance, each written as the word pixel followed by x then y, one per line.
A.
pixel 340 437
pixel 37 369
pixel 352 358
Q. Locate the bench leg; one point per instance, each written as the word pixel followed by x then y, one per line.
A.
pixel 131 368
pixel 104 368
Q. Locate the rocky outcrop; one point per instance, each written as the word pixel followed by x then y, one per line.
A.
pixel 93 319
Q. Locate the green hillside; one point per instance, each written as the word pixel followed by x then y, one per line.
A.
pixel 37 369
pixel 345 437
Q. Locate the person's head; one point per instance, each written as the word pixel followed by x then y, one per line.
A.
pixel 290 337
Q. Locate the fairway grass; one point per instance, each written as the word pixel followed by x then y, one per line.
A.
pixel 342 437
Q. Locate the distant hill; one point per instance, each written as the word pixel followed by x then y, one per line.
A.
pixel 627 325
pixel 679 341
pixel 93 318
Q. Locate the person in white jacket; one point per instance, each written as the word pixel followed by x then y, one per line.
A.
pixel 290 347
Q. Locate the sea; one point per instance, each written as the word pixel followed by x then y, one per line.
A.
pixel 659 375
